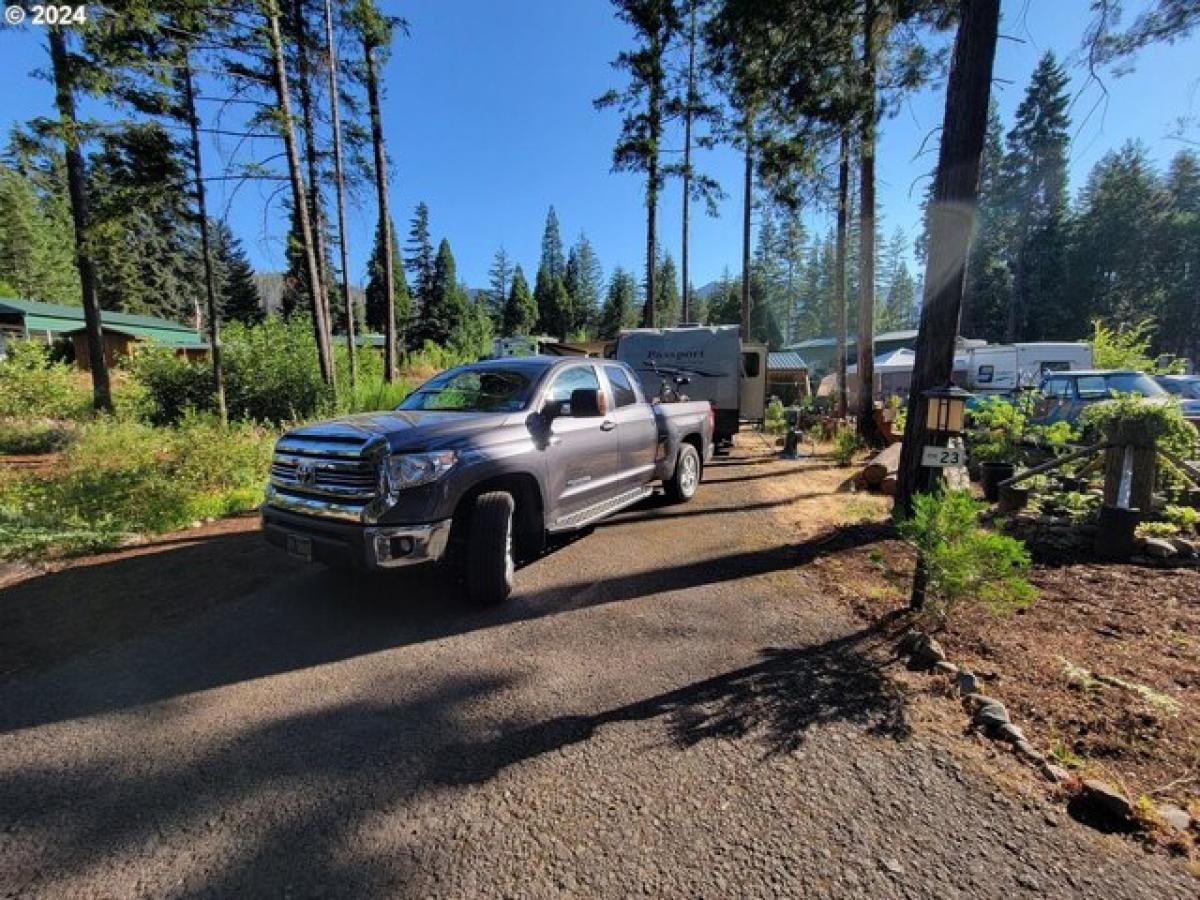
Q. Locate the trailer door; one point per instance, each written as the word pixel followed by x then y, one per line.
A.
pixel 752 400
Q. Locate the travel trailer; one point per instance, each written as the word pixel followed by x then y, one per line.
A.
pixel 1006 368
pixel 720 368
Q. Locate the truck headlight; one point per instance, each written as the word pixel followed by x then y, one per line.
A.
pixel 408 470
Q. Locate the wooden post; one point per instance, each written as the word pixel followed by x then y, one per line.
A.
pixel 1141 492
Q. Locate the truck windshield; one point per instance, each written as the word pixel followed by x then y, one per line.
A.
pixel 472 390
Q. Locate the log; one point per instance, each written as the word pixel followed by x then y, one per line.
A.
pixel 886 462
pixel 888 485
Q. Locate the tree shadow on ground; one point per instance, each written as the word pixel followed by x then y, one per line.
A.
pixel 140 629
pixel 328 771
pixel 779 700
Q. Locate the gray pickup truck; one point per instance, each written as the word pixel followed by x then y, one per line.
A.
pixel 479 465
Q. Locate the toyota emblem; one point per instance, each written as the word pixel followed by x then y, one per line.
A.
pixel 306 473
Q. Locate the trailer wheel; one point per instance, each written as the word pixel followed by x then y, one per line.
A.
pixel 490 563
pixel 681 486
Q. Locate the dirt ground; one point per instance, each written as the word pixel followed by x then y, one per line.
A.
pixel 1102 671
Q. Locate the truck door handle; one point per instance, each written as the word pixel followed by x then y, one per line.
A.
pixel 607 425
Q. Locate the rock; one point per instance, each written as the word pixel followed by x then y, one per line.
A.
pixel 1028 751
pixel 1106 800
pixel 893 866
pixel 909 642
pixel 966 682
pixel 928 652
pixel 943 667
pixel 1184 548
pixel 990 714
pixel 1009 732
pixel 1157 548
pixel 1177 819
pixel 1055 773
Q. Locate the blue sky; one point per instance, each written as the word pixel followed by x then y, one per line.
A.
pixel 489 120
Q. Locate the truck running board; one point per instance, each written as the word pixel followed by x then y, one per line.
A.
pixel 596 511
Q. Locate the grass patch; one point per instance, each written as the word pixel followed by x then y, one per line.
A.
pixel 120 479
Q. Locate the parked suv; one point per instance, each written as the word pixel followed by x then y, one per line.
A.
pixel 1067 394
pixel 1186 388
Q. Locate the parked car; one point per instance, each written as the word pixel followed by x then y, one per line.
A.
pixel 1065 395
pixel 1186 388
pixel 479 465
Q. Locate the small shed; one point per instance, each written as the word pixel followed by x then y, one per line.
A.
pixel 787 377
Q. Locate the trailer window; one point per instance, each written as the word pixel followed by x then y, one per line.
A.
pixel 986 374
pixel 623 392
pixel 750 365
pixel 1055 366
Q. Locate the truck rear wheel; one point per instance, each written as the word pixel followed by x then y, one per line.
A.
pixel 490 561
pixel 681 486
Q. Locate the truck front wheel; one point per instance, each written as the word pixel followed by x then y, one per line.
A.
pixel 681 487
pixel 490 562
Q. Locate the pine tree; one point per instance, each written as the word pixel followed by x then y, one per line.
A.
pixel 552 303
pixel 657 24
pixel 1036 181
pixel 501 274
pixel 35 262
pixel 520 310
pixel 1179 325
pixel 446 309
pixel 668 304
pixel 1116 263
pixel 553 260
pixel 420 258
pixel 376 293
pixel 237 293
pixel 584 285
pixel 620 305
pixel 989 279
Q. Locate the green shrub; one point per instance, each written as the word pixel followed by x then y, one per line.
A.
pixel 31 385
pixel 964 562
pixel 123 478
pixel 1183 517
pixel 34 435
pixel 1157 530
pixel 773 421
pixel 845 444
pixel 1142 422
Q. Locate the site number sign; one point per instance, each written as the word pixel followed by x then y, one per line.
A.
pixel 941 457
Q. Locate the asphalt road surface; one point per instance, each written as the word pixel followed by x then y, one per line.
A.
pixel 672 705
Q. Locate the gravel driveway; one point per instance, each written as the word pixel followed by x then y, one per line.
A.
pixel 670 706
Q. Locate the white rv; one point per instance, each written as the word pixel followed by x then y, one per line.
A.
pixel 731 375
pixel 1006 368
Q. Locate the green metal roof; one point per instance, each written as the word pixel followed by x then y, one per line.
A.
pixel 55 317
pixel 164 336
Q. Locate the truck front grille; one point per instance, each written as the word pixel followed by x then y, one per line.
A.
pixel 346 473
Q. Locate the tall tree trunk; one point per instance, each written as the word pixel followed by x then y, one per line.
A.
pixel 210 286
pixel 747 206
pixel 843 227
pixel 299 193
pixel 868 430
pixel 654 114
pixel 1016 300
pixel 320 292
pixel 951 225
pixel 339 186
pixel 688 113
pixel 64 99
pixel 385 216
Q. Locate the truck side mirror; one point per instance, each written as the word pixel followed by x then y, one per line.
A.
pixel 587 403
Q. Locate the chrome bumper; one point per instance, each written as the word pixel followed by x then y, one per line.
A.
pixel 406 545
